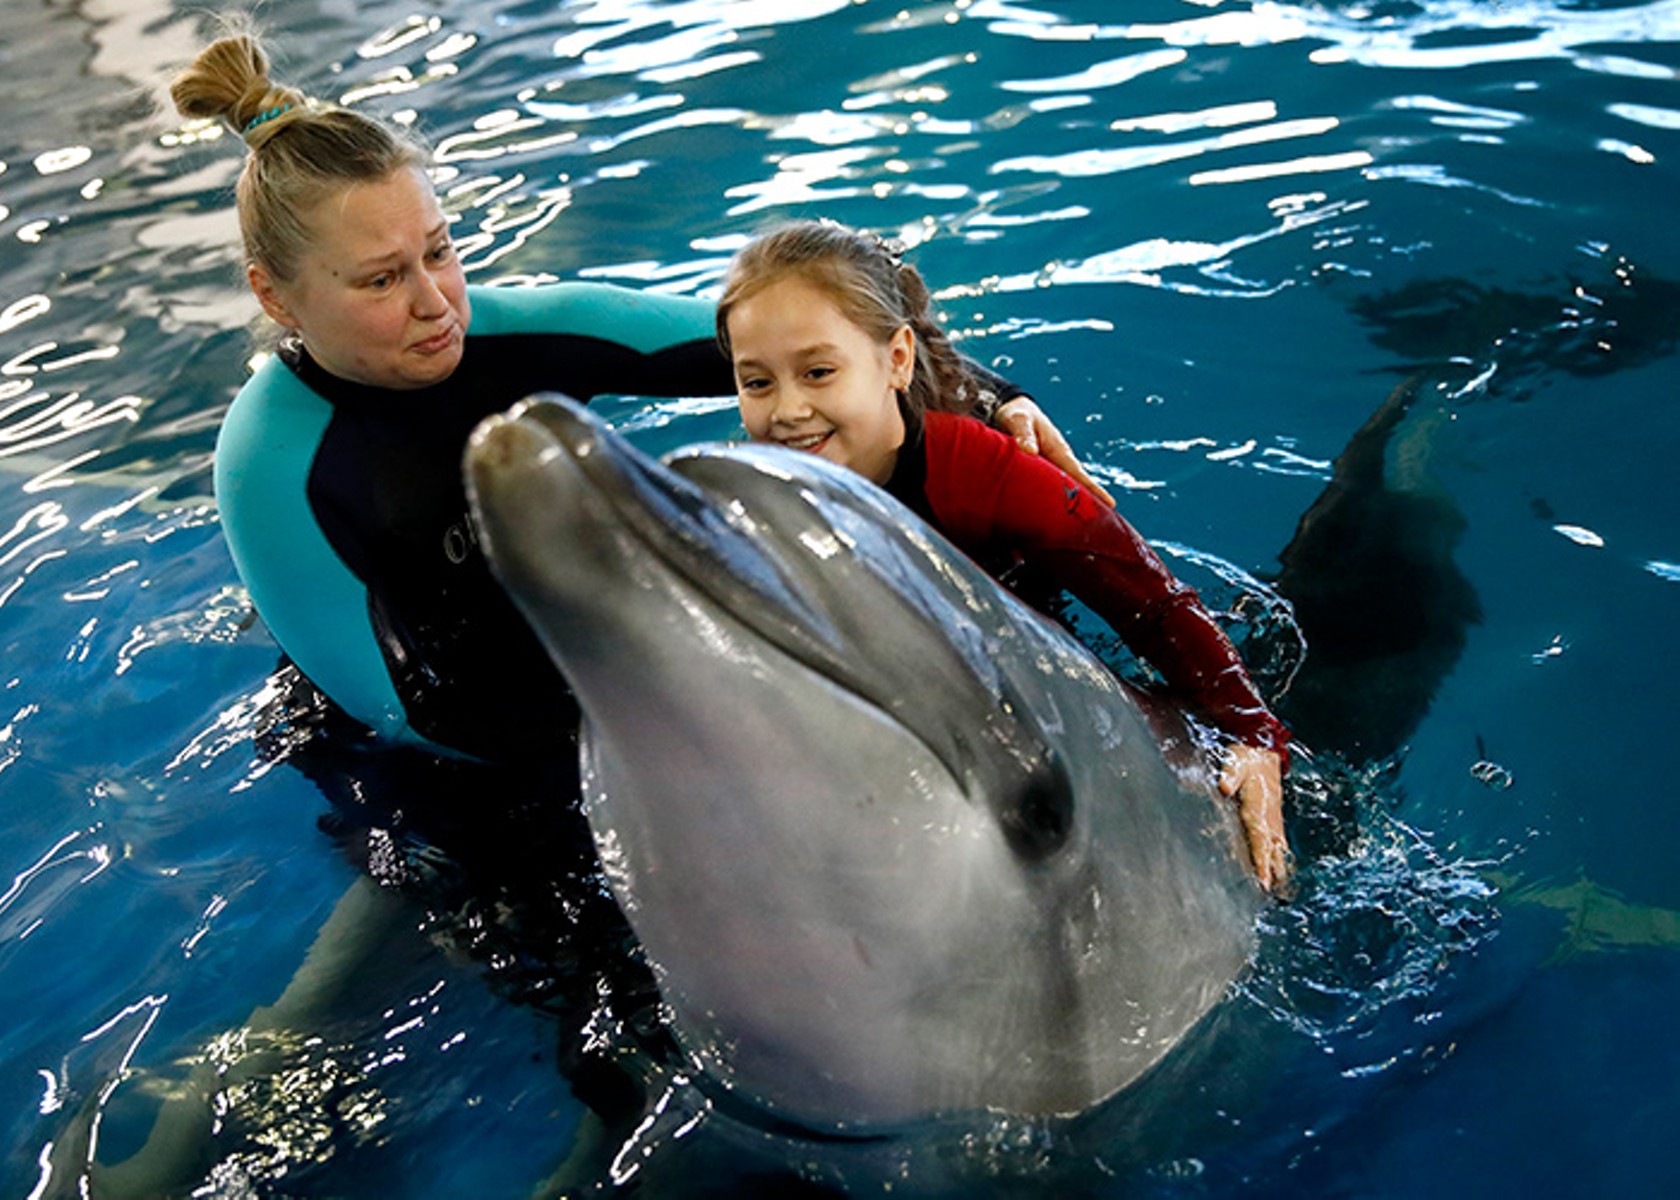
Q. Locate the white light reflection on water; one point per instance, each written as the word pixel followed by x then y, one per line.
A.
pixel 400 36
pixel 503 225
pixel 1112 161
pixel 54 162
pixel 612 41
pixel 497 135
pixel 1535 31
pixel 804 180
pixel 1312 164
pixel 1647 115
pixel 1102 75
pixel 1455 115
pixel 691 119
pixel 1579 535
pixel 901 85
pixel 19 311
pixel 1410 38
pixel 1147 262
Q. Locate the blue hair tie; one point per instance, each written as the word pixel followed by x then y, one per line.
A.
pixel 268 114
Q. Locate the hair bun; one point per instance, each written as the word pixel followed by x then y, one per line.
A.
pixel 229 82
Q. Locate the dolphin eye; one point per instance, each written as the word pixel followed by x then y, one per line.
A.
pixel 1037 819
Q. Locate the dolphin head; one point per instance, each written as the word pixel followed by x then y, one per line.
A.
pixel 769 537
pixel 893 843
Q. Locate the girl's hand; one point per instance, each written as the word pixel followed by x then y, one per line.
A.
pixel 1255 777
pixel 1023 420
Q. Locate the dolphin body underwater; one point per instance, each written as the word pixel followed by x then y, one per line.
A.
pixel 893 844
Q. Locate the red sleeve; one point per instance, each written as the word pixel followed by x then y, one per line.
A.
pixel 987 494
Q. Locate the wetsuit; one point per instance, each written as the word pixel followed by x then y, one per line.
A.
pixel 1008 509
pixel 345 511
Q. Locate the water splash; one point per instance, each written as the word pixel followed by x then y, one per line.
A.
pixel 1381 916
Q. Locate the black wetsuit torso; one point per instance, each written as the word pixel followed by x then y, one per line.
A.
pixel 387 491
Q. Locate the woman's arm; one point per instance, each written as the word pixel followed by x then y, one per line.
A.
pixel 312 603
pixel 1008 408
pixel 1022 419
pixel 605 339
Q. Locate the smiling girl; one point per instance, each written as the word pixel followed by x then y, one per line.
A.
pixel 835 353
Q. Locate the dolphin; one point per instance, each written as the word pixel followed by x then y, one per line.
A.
pixel 1376 590
pixel 893 844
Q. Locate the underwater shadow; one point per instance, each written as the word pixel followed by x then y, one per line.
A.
pixel 1377 593
pixel 1371 571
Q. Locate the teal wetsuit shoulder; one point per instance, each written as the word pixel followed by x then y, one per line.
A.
pixel 315 608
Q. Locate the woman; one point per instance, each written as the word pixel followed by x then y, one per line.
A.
pixel 835 353
pixel 338 465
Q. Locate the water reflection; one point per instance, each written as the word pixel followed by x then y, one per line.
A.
pixel 1417 34
pixel 1497 340
pixel 1160 263
pixel 411 31
pixel 1108 162
pixel 1110 73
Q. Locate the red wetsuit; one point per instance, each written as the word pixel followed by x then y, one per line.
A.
pixel 1002 506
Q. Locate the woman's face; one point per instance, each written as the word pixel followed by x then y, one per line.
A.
pixel 808 377
pixel 380 297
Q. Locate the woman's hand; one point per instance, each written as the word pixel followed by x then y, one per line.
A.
pixel 1023 420
pixel 1254 776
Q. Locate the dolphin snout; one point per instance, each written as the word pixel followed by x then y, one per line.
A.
pixel 494 443
pixel 508 441
pixel 565 420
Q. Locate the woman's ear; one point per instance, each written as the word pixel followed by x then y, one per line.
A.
pixel 901 352
pixel 262 284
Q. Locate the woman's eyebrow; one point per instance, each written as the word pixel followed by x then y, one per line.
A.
pixel 378 260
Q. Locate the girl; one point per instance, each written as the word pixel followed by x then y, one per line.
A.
pixel 338 474
pixel 835 352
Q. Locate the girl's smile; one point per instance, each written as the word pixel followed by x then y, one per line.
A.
pixel 810 379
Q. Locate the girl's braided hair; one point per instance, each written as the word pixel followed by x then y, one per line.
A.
pixel 873 288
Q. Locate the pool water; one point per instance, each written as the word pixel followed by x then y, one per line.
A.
pixel 1212 239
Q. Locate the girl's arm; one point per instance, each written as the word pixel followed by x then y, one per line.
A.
pixel 1012 500
pixel 1109 567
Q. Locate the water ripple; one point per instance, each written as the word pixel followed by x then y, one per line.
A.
pixel 1112 161
pixel 1107 74
pixel 1155 262
pixel 1381 917
pixel 1423 35
pixel 73 860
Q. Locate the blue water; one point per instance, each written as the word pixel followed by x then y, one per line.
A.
pixel 1210 238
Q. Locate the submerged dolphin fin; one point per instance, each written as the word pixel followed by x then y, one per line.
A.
pixel 1382 604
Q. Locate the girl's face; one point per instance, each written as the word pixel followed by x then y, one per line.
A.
pixel 380 297
pixel 809 378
